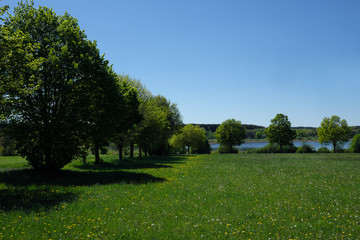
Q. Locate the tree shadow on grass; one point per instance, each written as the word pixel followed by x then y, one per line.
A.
pixel 31 190
pixel 28 200
pixel 138 163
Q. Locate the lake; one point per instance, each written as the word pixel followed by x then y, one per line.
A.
pixel 251 145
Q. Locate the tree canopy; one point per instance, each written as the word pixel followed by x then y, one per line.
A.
pixel 230 133
pixel 189 136
pixel 160 119
pixel 280 131
pixel 334 130
pixel 54 85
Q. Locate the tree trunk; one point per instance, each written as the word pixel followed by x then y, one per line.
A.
pixel 48 157
pixel 145 151
pixel 131 150
pixel 120 148
pixel 140 153
pixel 5 150
pixel 97 154
pixel 334 146
pixel 188 150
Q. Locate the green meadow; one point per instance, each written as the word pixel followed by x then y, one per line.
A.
pixel 236 196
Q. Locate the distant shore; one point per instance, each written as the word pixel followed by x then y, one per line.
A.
pixel 264 140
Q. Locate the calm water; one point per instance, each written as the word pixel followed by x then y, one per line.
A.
pixel 250 145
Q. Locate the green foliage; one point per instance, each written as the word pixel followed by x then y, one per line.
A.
pixel 354 130
pixel 323 150
pixel 275 148
pixel 305 148
pixel 112 104
pixel 230 133
pixel 355 144
pixel 3 10
pixel 189 136
pixel 52 83
pixel 334 130
pixel 280 131
pixel 172 123
pixel 223 149
pixel 7 151
pixel 270 148
pixel 203 148
pixel 161 119
pixel 254 133
pixel 306 134
pixel 7 144
pixel 124 130
pixel 209 135
pixel 259 134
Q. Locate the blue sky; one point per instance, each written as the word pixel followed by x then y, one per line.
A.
pixel 247 60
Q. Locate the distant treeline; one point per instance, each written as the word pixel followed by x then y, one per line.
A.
pixel 213 127
pixel 256 132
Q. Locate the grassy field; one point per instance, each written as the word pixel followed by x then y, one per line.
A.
pixel 12 162
pixel 244 196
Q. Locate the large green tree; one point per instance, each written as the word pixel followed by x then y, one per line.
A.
pixel 230 133
pixel 152 131
pixel 280 131
pixel 173 122
pixel 160 119
pixel 151 120
pixel 189 136
pixel 49 73
pixel 131 116
pixel 114 103
pixel 334 130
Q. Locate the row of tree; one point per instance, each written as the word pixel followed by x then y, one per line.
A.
pixel 59 96
pixel 332 130
pixel 257 133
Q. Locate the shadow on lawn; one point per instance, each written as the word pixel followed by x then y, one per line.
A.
pixel 29 189
pixel 137 163
pixel 33 199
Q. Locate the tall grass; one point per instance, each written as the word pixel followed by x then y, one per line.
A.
pixel 240 196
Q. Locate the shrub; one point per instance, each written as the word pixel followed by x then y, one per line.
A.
pixel 323 150
pixel 270 148
pixel 355 144
pixel 288 149
pixel 306 148
pixel 203 148
pixel 275 148
pixel 225 149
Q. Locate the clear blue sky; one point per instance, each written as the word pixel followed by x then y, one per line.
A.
pixel 242 59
